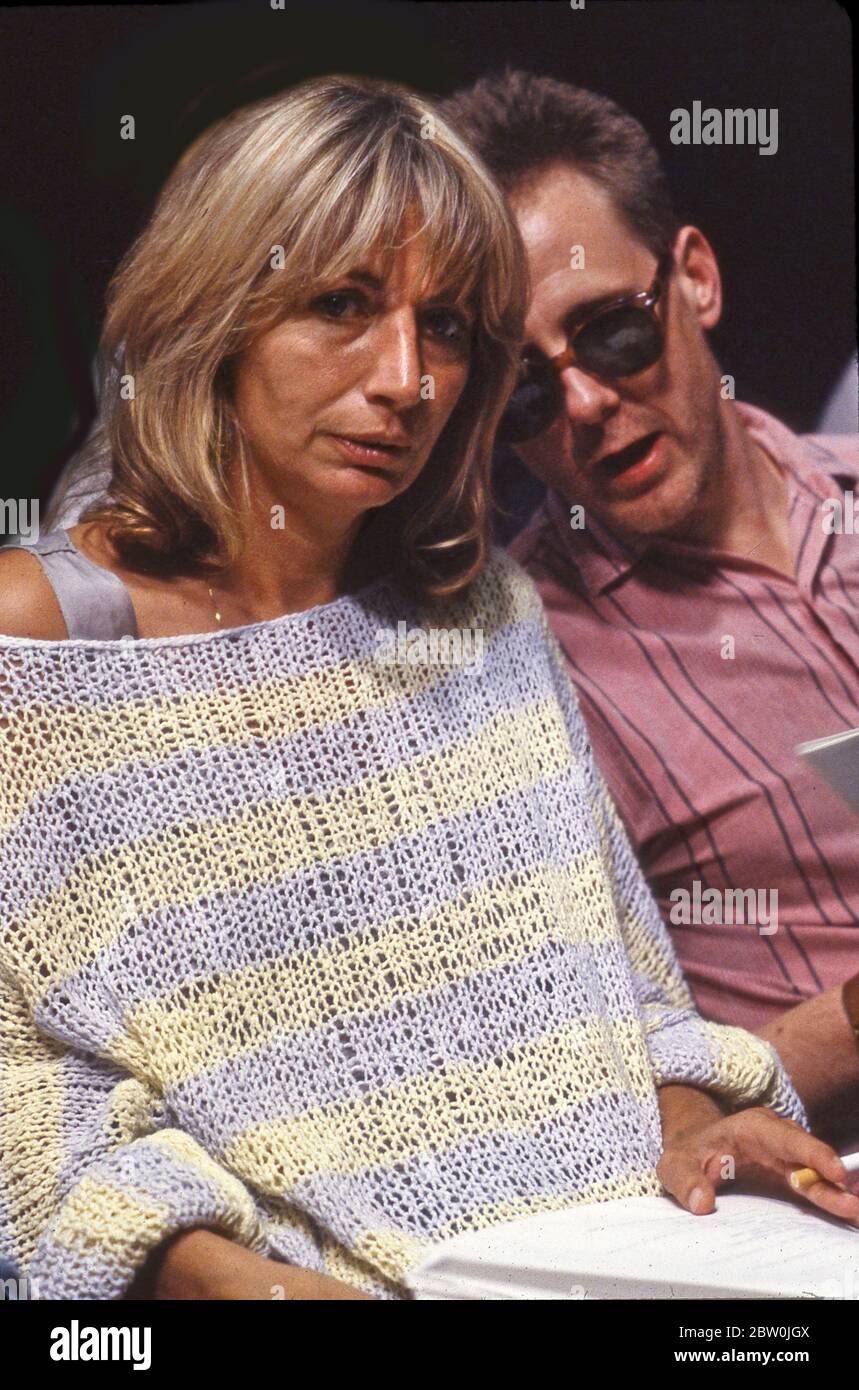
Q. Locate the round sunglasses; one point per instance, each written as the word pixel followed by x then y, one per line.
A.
pixel 619 339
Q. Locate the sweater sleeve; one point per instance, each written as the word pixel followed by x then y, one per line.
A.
pixel 741 1068
pixel 92 1178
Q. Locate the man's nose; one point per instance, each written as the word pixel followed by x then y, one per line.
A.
pixel 587 399
pixel 395 371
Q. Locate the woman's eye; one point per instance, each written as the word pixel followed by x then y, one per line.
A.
pixel 450 326
pixel 340 304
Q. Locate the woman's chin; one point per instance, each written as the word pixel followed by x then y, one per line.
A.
pixel 372 486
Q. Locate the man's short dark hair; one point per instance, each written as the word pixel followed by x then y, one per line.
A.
pixel 519 124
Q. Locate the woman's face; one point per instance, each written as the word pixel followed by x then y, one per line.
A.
pixel 344 399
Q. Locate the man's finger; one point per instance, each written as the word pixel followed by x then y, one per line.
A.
pixel 682 1175
pixel 844 1205
pixel 794 1147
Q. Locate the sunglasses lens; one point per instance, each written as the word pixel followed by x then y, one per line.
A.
pixel 533 404
pixel 619 343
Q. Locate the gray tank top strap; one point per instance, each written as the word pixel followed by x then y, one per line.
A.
pixel 94 602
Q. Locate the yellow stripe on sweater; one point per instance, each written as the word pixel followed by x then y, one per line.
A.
pixel 130 1222
pixel 388 1253
pixel 122 1223
pixel 612 1189
pixel 393 1254
pixel 32 1102
pixel 498 924
pixel 103 738
pixel 264 842
pixel 149 731
pixel 540 1079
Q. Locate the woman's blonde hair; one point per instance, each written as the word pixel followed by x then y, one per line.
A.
pixel 329 171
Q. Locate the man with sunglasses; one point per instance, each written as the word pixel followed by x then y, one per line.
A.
pixel 709 620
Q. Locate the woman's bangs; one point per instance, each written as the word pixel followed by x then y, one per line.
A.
pixel 375 215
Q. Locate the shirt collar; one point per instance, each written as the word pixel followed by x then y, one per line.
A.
pixel 604 559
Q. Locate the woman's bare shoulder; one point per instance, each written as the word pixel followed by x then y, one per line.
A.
pixel 28 604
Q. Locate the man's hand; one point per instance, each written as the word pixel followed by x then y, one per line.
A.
pixel 704 1149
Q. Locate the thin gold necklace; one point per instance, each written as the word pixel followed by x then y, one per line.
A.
pixel 215 606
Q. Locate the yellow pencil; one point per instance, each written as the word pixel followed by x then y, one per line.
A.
pixel 801 1178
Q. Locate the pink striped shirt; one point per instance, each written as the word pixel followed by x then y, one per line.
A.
pixel 699 749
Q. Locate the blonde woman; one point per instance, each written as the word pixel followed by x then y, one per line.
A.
pixel 309 958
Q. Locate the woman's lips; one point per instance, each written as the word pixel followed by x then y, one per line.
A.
pixel 634 468
pixel 378 457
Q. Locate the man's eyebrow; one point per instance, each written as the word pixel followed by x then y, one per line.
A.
pixel 599 301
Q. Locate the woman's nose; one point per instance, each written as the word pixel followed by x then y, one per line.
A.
pixel 395 371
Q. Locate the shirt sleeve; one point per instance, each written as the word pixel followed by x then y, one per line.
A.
pixel 741 1068
pixel 92 1178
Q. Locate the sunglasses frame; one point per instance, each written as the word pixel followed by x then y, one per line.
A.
pixel 645 300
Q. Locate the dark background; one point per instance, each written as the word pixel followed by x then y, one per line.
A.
pixel 73 194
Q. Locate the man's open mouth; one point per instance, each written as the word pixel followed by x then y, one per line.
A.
pixel 618 462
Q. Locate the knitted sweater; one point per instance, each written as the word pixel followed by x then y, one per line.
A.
pixel 337 955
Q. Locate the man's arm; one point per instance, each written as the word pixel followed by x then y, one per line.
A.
pixel 817 1045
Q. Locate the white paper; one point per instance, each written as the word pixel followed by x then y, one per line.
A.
pixel 837 758
pixel 648 1247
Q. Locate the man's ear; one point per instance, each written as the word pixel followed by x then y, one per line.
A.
pixel 698 275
